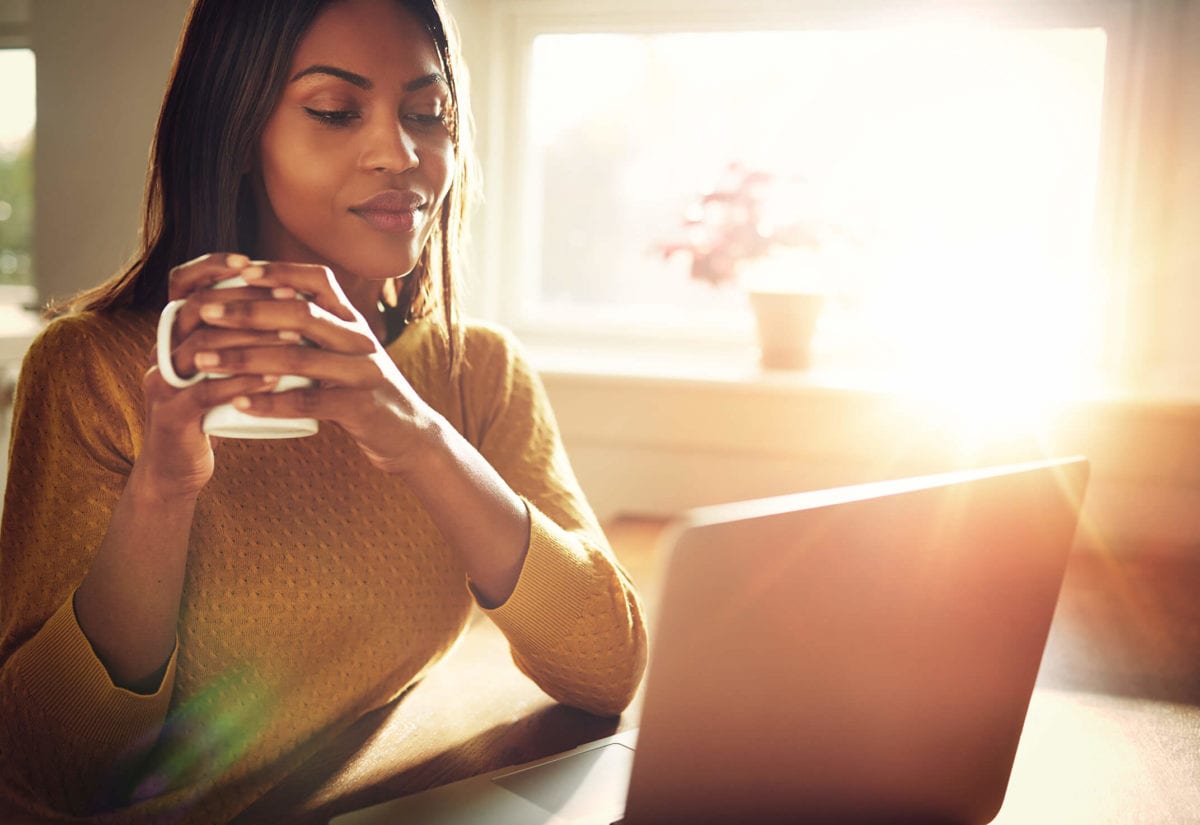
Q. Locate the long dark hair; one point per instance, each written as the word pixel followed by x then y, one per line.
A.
pixel 230 69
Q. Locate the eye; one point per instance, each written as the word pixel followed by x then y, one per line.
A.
pixel 425 110
pixel 437 119
pixel 333 117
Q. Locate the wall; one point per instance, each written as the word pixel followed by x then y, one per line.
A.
pixel 1181 254
pixel 655 446
pixel 101 71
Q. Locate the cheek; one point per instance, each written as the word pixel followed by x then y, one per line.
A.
pixel 444 161
pixel 445 165
pixel 296 175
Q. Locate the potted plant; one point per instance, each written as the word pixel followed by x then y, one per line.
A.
pixel 754 230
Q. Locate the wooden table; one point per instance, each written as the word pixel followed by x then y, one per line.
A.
pixel 1112 736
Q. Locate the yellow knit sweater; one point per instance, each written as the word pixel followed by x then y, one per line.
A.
pixel 316 589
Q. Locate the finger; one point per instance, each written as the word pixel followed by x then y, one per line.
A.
pixel 314 281
pixel 188 318
pixel 347 370
pixel 204 271
pixel 180 408
pixel 198 399
pixel 207 339
pixel 323 403
pixel 303 318
pixel 154 385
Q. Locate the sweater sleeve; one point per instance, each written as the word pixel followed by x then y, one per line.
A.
pixel 66 731
pixel 574 621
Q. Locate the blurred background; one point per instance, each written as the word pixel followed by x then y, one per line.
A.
pixel 993 202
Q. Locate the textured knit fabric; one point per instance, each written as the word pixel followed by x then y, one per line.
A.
pixel 317 588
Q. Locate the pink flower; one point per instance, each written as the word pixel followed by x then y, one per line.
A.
pixel 733 223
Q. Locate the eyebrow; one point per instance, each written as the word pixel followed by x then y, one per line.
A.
pixel 365 83
pixel 341 74
pixel 428 80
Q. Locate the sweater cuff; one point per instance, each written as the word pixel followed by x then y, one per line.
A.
pixel 75 691
pixel 556 578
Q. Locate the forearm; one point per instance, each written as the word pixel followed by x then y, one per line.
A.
pixel 78 734
pixel 478 514
pixel 576 623
pixel 128 603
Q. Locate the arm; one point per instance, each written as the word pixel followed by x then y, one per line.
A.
pixel 537 560
pixel 574 620
pixel 475 510
pixel 65 727
pixel 128 603
pixel 92 556
pixel 503 497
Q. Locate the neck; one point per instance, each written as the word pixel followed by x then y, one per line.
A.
pixel 364 296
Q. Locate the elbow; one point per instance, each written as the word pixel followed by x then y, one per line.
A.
pixel 629 681
pixel 611 689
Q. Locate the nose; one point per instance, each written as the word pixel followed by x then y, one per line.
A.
pixel 389 147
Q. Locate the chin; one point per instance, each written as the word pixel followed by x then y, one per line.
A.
pixel 379 262
pixel 376 267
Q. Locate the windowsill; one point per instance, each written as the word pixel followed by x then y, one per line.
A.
pixel 656 435
pixel 1162 391
pixel 18 328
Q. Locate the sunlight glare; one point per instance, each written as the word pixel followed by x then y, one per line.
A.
pixel 17 98
pixel 964 158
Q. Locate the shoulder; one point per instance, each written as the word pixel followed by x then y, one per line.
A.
pixel 495 362
pixel 490 352
pixel 506 405
pixel 94 332
pixel 488 343
pixel 495 381
pixel 102 352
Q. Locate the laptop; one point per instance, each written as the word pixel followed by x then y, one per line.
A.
pixel 860 654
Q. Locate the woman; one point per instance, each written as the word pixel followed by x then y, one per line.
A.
pixel 182 619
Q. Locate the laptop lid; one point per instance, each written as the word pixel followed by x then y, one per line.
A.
pixel 859 654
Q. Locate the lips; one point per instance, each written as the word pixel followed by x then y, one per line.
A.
pixel 394 210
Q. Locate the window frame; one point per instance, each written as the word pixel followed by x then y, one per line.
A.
pixel 16 33
pixel 506 50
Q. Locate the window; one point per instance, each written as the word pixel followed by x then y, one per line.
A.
pixel 17 94
pixel 963 155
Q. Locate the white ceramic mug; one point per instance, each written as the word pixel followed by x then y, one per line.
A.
pixel 226 420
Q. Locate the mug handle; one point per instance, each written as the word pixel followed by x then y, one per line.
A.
pixel 166 322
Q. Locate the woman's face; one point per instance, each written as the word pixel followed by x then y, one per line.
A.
pixel 356 158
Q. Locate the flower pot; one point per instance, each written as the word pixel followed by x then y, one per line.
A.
pixel 786 322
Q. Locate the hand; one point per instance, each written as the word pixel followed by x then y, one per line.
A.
pixel 177 457
pixel 325 338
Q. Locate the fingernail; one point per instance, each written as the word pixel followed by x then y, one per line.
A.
pixel 212 311
pixel 283 292
pixel 207 359
pixel 236 261
pixel 241 403
pixel 288 335
pixel 252 273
